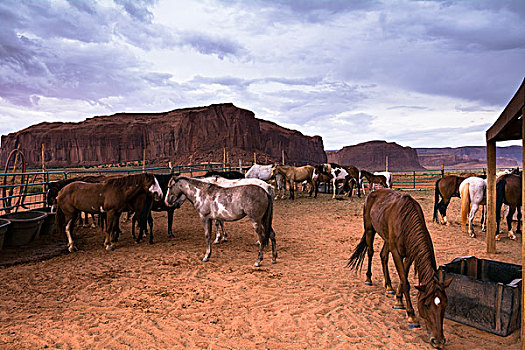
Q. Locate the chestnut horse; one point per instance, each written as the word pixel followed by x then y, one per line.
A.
pixel 399 220
pixel 508 191
pixel 296 174
pixel 111 196
pixel 446 188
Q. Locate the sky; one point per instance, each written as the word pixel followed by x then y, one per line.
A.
pixel 418 73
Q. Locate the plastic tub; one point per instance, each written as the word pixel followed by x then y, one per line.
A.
pixel 24 227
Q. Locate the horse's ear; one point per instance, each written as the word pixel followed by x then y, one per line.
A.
pixel 447 282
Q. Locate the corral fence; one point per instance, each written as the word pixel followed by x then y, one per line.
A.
pixel 21 191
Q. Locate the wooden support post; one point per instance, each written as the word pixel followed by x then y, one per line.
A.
pixel 386 165
pixel 254 158
pixel 282 152
pixel 43 176
pixel 491 196
pixel 143 159
pixel 224 157
pixel 442 169
pixel 240 165
pixel 522 240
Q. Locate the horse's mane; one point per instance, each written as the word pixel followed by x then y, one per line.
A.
pixel 128 180
pixel 417 237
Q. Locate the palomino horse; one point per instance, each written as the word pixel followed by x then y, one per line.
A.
pixel 399 220
pixel 296 174
pixel 508 191
pixel 111 197
pixel 214 202
pixel 373 179
pixel 349 174
pixel 446 188
pixel 220 181
pixel 472 191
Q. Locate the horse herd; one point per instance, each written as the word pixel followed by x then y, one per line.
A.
pixel 230 196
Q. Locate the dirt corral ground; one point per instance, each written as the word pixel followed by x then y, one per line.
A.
pixel 163 296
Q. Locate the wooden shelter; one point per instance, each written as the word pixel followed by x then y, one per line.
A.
pixel 509 126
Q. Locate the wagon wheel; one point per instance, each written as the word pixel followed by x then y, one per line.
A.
pixel 15 163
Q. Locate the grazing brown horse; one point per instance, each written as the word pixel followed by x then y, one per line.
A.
pixel 374 179
pixel 296 174
pixel 446 188
pixel 111 197
pixel 399 220
pixel 508 191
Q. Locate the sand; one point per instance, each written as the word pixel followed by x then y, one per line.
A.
pixel 162 296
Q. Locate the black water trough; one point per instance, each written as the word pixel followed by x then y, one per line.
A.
pixel 48 226
pixel 4 223
pixel 24 227
pixel 484 294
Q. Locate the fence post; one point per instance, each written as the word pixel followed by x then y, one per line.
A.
pixel 414 175
pixel 442 169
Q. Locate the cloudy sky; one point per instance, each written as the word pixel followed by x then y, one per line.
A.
pixel 419 73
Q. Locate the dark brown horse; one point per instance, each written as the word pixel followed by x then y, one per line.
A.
pixel 446 188
pixel 399 220
pixel 111 196
pixel 508 191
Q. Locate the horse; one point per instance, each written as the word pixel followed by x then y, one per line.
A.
pixel 55 186
pixel 258 171
pixel 296 174
pixel 225 174
pixel 214 202
pixel 220 181
pixel 110 196
pixel 349 174
pixel 387 175
pixel 321 177
pixel 400 222
pixel 472 191
pixel 446 188
pixel 143 210
pixel 373 179
pixel 508 191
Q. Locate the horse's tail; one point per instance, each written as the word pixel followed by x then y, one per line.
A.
pixel 500 197
pixel 267 221
pixel 436 201
pixel 358 256
pixel 60 222
pixel 465 205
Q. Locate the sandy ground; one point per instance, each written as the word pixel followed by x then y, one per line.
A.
pixel 162 296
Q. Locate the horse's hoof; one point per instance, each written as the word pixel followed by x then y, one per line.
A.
pixel 205 260
pixel 216 242
pixel 257 243
pixel 72 249
pixel 413 325
pixel 150 242
pixel 274 261
pixel 472 235
pixel 257 264
pixel 109 248
pixel 368 283
pixel 171 235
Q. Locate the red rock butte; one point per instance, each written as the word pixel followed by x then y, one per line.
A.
pixel 182 136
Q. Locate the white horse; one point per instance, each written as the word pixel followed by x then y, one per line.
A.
pixel 472 191
pixel 262 172
pixel 220 181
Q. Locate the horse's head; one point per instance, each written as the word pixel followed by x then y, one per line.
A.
pixel 51 195
pixel 432 302
pixel 154 187
pixel 174 196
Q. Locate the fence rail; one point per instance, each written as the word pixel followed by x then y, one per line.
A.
pixel 16 195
